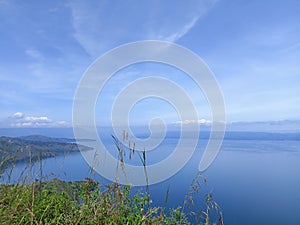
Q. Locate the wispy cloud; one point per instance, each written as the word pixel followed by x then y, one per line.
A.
pixel 35 54
pixel 183 31
pixel 97 31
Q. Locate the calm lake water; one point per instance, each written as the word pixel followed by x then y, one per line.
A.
pixel 255 182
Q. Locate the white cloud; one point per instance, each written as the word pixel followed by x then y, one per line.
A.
pixel 201 122
pixel 63 124
pixel 37 119
pixel 32 121
pixel 19 120
pixel 18 115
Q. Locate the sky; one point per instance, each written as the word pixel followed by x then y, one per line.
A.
pixel 252 47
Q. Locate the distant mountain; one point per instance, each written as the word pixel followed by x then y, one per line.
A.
pixel 34 147
pixel 261 136
pixel 49 132
pixel 42 138
pixel 287 126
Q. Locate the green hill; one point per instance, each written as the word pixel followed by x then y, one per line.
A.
pixel 34 147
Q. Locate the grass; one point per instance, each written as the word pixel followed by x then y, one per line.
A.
pixel 87 202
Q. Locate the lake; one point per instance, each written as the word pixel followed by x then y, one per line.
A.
pixel 254 181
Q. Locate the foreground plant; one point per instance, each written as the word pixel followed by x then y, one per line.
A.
pixel 58 202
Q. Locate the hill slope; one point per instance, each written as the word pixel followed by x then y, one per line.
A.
pixel 23 148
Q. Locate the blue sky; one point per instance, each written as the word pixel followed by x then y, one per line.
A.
pixel 253 48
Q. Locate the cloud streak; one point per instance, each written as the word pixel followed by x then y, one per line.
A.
pixel 183 31
pixel 97 31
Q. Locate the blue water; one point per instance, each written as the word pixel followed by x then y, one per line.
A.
pixel 255 182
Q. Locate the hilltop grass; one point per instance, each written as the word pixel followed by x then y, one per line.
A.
pixel 58 202
pixel 83 204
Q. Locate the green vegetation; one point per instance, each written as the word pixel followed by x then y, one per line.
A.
pixel 58 202
pixel 13 150
pixel 87 202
